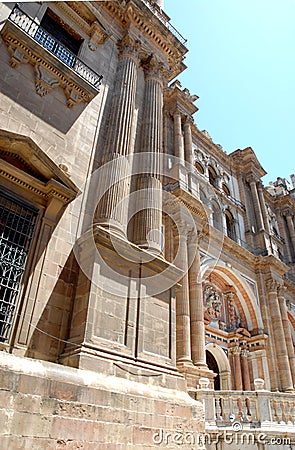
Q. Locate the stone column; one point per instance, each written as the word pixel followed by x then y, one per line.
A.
pixel 148 219
pixel 237 366
pixel 284 232
pixel 287 330
pixel 278 338
pixel 183 331
pixel 263 207
pixel 245 369
pixel 188 141
pixel 256 203
pixel 178 138
pixel 196 303
pixel 111 211
pixel 290 225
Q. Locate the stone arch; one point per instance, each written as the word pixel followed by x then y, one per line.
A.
pixel 246 301
pixel 223 365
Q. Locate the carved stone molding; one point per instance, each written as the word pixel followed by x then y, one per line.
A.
pixel 128 46
pixel 272 286
pixel 44 81
pixel 153 68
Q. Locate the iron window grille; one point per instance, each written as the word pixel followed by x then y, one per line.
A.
pixel 17 224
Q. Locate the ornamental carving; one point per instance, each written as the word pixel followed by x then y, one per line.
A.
pixel 213 303
pixel 153 68
pixel 128 46
pixel 220 309
pixel 44 81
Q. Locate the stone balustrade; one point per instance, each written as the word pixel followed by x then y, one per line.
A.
pixel 253 409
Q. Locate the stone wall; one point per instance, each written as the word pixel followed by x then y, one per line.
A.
pixel 45 406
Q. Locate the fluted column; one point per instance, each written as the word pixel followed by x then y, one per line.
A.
pixel 178 137
pixel 111 210
pixel 256 203
pixel 236 351
pixel 278 338
pixel 196 304
pixel 287 330
pixel 263 207
pixel 188 141
pixel 148 220
pixel 290 225
pixel 183 332
pixel 245 369
pixel 284 233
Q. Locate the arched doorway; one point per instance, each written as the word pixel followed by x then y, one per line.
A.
pixel 212 365
pixel 218 362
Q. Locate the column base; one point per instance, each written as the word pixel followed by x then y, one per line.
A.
pixel 193 374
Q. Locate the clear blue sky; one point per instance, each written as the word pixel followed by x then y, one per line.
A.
pixel 241 63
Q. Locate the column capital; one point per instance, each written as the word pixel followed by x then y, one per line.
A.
pixel 188 121
pixel 272 286
pixel 281 291
pixel 230 295
pixel 182 229
pixel 287 212
pixel 129 47
pixel 251 178
pixel 235 350
pixel 153 68
pixel 194 237
pixel 244 353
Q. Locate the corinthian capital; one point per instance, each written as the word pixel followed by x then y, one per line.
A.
pixel 129 47
pixel 272 285
pixel 153 68
pixel 287 212
pixel 251 178
pixel 281 291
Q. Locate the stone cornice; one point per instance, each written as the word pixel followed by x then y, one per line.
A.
pixel 180 100
pixel 271 264
pixel 142 18
pixel 247 162
pixel 219 154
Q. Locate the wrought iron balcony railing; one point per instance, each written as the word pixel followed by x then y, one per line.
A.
pixel 52 45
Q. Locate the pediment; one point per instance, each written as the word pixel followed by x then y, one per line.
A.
pixel 24 163
pixel 24 154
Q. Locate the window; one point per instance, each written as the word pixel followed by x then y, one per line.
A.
pixel 225 189
pixel 58 38
pixel 17 223
pixel 230 225
pixel 199 167
pixel 212 176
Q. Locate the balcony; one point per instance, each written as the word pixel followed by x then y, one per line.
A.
pixel 55 65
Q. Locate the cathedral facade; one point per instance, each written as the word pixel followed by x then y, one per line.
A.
pixel 147 284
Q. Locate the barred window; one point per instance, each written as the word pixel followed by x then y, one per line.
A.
pixel 17 223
